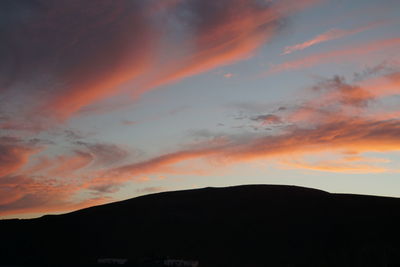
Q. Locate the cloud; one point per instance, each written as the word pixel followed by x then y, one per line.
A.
pixel 66 165
pixel 14 154
pixel 335 98
pixel 84 158
pixel 28 194
pixel 56 183
pixel 218 36
pixel 221 38
pixel 128 122
pixel 104 154
pixel 267 119
pixel 338 165
pixel 55 66
pixel 339 55
pixel 346 94
pixel 370 71
pixel 157 164
pixel 328 36
pixel 47 200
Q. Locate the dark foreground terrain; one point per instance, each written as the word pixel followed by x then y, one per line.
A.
pixel 255 225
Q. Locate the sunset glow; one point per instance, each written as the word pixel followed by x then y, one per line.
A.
pixel 106 100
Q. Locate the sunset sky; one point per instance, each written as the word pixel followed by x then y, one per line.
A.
pixel 106 100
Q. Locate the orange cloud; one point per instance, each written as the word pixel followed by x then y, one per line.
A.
pixel 91 155
pixel 336 96
pixel 341 166
pixel 223 39
pixel 336 55
pixel 328 36
pixel 219 39
pixel 158 164
pixel 55 184
pixel 13 155
pixel 383 87
pixel 24 194
pixel 68 165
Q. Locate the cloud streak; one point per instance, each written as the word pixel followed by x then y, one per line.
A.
pixel 13 155
pixel 329 35
pixel 339 55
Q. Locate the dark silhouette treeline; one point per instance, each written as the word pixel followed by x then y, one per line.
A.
pixel 246 226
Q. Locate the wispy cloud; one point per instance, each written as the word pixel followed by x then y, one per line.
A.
pixel 267 119
pixel 329 35
pixel 342 165
pixel 340 55
pixel 14 154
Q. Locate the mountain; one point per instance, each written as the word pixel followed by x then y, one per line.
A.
pixel 246 226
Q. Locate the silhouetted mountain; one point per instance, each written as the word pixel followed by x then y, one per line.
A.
pixel 252 225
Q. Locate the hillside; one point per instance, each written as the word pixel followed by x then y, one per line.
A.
pixel 252 225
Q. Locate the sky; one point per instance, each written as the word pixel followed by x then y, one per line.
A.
pixel 105 100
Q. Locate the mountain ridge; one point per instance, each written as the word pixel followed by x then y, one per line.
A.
pixel 248 225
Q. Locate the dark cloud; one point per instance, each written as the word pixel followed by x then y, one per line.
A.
pixel 379 69
pixel 73 135
pixel 348 94
pixel 106 188
pixel 104 153
pixel 267 119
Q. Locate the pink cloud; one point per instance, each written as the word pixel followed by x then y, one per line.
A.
pixel 328 36
pixel 13 155
pixel 340 55
pixel 339 165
